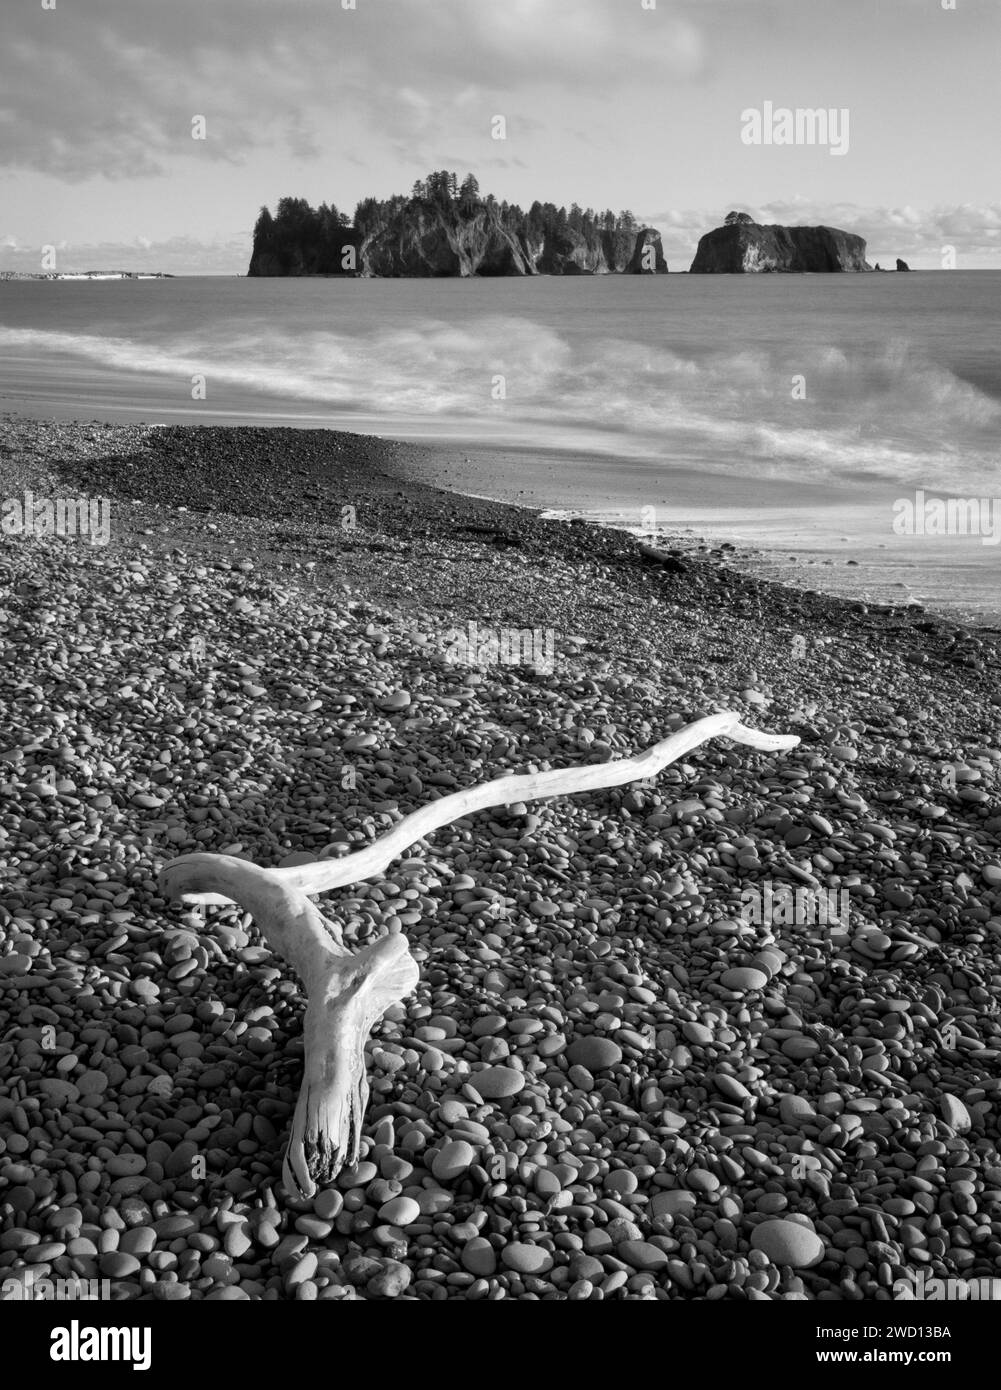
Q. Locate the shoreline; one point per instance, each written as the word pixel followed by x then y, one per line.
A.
pixel 770 541
pixel 683 1072
pixel 419 467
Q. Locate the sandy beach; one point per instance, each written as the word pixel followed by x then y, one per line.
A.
pixel 614 1080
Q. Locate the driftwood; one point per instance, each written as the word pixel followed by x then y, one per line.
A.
pixel 348 991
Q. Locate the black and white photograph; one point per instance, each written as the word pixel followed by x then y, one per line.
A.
pixel 500 636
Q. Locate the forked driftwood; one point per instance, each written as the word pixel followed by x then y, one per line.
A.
pixel 347 991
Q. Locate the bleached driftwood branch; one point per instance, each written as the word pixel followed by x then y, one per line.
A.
pixel 347 992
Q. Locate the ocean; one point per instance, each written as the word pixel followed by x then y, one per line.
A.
pixel 795 416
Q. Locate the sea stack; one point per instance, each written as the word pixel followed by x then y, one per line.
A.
pixel 742 247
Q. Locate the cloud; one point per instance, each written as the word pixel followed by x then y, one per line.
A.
pixel 110 86
pixel 511 42
pixel 86 93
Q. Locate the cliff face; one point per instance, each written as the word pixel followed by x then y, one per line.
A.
pixel 425 242
pixel 647 250
pixel 748 248
pixel 434 236
pixel 432 244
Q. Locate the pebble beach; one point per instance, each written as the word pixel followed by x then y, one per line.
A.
pixel 613 1082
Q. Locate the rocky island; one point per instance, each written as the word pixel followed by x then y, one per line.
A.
pixel 743 246
pixel 446 229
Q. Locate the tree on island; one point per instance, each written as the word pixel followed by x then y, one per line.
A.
pixel 737 219
pixel 469 194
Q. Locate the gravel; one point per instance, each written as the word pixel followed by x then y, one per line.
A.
pixel 609 1083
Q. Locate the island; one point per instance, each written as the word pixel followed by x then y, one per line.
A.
pixel 444 228
pixel 743 247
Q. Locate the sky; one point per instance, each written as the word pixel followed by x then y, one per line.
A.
pixel 608 103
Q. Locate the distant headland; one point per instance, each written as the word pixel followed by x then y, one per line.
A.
pixel 87 275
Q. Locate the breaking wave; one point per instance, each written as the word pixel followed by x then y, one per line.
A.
pixel 818 413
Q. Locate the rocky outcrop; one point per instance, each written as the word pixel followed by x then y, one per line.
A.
pixel 648 254
pixel 427 243
pixel 902 265
pixel 746 247
pixel 304 258
pixel 437 233
pixel 568 253
pixel 433 244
